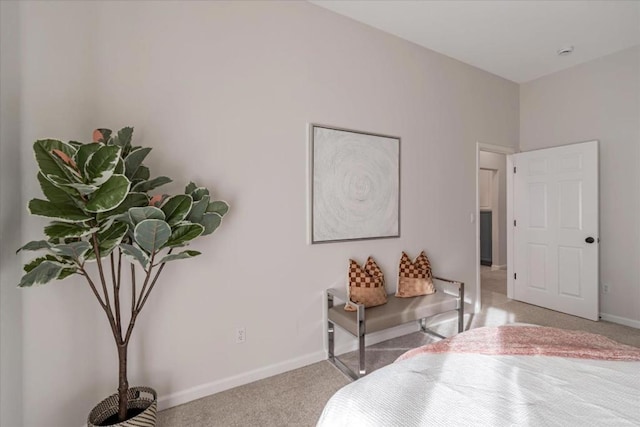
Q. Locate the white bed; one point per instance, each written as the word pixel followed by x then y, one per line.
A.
pixel 487 378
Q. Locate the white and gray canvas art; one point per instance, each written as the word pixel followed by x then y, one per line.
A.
pixel 356 185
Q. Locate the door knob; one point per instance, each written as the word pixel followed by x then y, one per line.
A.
pixel 589 240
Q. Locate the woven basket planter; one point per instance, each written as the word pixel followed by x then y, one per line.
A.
pixel 143 398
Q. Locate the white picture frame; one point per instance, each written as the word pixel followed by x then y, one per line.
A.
pixel 354 185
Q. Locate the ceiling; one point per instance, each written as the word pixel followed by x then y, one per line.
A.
pixel 517 40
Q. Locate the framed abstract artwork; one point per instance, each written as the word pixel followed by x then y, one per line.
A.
pixel 355 185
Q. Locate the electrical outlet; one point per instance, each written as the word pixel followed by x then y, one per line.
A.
pixel 606 288
pixel 241 335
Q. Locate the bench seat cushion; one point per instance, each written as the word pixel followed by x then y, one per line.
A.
pixel 395 312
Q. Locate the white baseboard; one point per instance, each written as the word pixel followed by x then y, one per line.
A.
pixel 620 320
pixel 495 267
pixel 203 390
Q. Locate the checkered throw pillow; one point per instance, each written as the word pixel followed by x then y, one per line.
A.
pixel 414 278
pixel 366 285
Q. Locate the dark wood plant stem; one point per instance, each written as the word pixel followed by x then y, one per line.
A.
pixel 153 282
pixel 133 288
pixel 142 299
pixel 96 251
pixel 123 382
pixel 113 269
pixel 143 296
pixel 116 293
pixel 93 287
pixel 146 281
pixel 135 308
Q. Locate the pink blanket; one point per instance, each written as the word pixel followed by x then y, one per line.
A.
pixel 529 341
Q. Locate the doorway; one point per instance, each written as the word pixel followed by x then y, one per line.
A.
pixel 491 213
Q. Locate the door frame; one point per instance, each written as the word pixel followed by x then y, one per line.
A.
pixel 507 151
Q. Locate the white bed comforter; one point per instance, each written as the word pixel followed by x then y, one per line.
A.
pixel 462 389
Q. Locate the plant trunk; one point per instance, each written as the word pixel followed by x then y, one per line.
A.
pixel 123 384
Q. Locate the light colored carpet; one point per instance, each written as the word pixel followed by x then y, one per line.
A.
pixel 296 398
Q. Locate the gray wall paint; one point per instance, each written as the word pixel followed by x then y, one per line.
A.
pixel 599 100
pixel 11 213
pixel 224 94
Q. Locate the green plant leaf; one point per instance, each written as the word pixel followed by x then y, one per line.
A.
pixel 71 174
pixel 60 212
pixel 146 186
pixel 198 209
pixel 45 272
pixel 84 152
pixel 219 206
pixel 75 250
pixel 100 165
pixel 152 234
pixel 102 135
pixel 53 193
pixel 148 212
pixel 35 245
pixel 199 193
pixel 123 138
pixel 109 195
pixel 176 208
pixel 142 174
pixel 111 237
pixel 64 230
pixel 124 218
pixel 132 200
pixel 63 184
pixel 184 233
pixel 83 189
pixel 37 261
pixel 211 221
pixel 66 272
pixel 47 161
pixel 181 255
pixel 190 188
pixel 134 160
pixel 134 254
pixel 119 167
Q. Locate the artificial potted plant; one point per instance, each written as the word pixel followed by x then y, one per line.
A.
pixel 107 227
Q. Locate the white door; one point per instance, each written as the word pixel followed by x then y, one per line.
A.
pixel 556 228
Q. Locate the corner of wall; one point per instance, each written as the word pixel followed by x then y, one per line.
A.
pixel 11 413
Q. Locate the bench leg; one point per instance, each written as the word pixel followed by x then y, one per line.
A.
pixel 461 310
pixel 330 341
pixel 330 331
pixel 362 370
pixel 423 328
pixel 331 328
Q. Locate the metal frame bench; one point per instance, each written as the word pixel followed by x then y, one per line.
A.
pixel 395 312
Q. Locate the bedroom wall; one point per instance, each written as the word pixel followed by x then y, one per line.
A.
pixel 11 213
pixel 223 92
pixel 599 100
pixel 498 163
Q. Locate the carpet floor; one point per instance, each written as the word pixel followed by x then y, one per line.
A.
pixel 296 398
